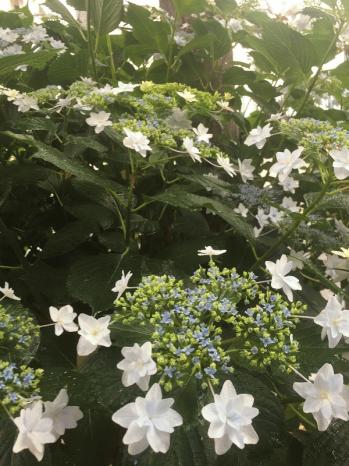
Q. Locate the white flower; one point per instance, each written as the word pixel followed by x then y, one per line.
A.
pixel 193 151
pixel 178 119
pixel 246 169
pixel 149 421
pixel 209 251
pixel 344 252
pixel 34 430
pixel 137 141
pixel 25 103
pixel 182 37
pixel 81 106
pixel 11 94
pixel 63 103
pixel 36 35
pixel 276 117
pixel 340 163
pixel 225 163
pixel 138 365
pixel 63 416
pixel 8 35
pixel 326 398
pixel 278 271
pixel 336 267
pixel 11 50
pixel 286 162
pixel 234 25
pixel 202 134
pixel 230 417
pixel 99 120
pixel 275 215
pixel 297 258
pixel 8 292
pixel 258 136
pixel 122 284
pixel 187 96
pixel 241 209
pixel 262 218
pixel 94 332
pixel 257 231
pixel 289 184
pixel 64 319
pixel 125 87
pixel 300 22
pixel 224 105
pixel 89 81
pixel 334 320
pixel 57 44
pixel 290 204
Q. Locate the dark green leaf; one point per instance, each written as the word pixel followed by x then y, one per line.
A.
pixel 106 15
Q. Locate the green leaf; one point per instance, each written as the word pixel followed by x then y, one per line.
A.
pixel 72 166
pixel 91 279
pixel 342 73
pixel 58 7
pixel 185 7
pixel 336 201
pixel 177 197
pixel 329 448
pixel 127 335
pixel 106 15
pixel 152 34
pixel 37 60
pixel 67 239
pixel 68 68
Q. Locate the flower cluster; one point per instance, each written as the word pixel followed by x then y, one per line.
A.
pixel 190 324
pixel 18 384
pixel 19 333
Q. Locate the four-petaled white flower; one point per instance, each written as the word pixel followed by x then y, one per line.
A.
pixel 125 87
pixel 187 96
pixel 99 120
pixel 35 430
pixel 290 204
pixel 230 417
pixel 275 215
pixel 8 292
pixel 242 210
pixel 149 421
pixel 209 251
pixel 25 103
pixel 138 365
pixel 326 397
pixel 334 321
pixel 94 332
pixel 63 416
pixel 340 163
pixel 64 319
pixel 286 162
pixel 246 169
pixel 258 136
pixel 202 134
pixel 193 151
pixel 122 284
pixel 289 184
pixel 279 280
pixel 136 141
pixel 226 164
pixel 262 217
pixel 297 258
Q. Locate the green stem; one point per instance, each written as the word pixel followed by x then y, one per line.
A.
pixel 111 56
pixel 89 37
pixel 301 416
pixel 294 226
